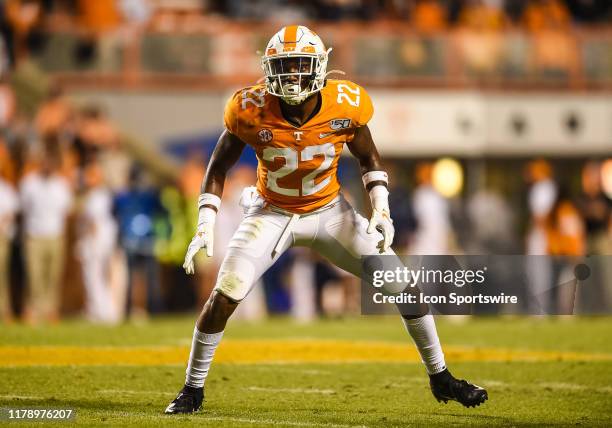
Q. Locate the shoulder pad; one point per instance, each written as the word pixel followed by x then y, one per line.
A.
pixel 353 99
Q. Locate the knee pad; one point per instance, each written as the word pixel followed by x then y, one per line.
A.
pixel 235 283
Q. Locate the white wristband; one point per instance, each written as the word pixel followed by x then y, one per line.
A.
pixel 371 176
pixel 209 199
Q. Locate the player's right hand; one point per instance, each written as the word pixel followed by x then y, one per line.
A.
pixel 204 238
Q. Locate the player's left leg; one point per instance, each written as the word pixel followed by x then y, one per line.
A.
pixel 343 239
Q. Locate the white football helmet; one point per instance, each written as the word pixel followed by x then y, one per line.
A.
pixel 295 64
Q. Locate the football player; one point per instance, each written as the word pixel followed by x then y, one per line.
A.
pixel 298 122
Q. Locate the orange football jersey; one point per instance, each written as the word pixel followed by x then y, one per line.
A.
pixel 297 166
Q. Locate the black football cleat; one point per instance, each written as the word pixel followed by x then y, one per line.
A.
pixel 445 387
pixel 189 400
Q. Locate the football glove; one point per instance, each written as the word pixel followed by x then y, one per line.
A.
pixel 204 237
pixel 381 221
pixel 381 216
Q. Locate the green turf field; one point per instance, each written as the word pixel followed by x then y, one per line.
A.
pixel 340 373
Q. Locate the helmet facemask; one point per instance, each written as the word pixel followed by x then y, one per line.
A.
pixel 295 76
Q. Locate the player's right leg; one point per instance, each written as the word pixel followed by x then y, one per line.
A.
pixel 251 251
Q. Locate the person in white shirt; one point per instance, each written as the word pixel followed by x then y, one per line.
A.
pixel 8 208
pixel 432 212
pixel 95 246
pixel 46 200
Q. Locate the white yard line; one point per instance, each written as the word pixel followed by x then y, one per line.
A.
pixel 292 390
pixel 574 387
pixel 21 397
pixel 275 422
pixel 277 367
pixel 493 383
pixel 133 392
pixel 561 386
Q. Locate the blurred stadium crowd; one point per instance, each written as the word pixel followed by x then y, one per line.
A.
pixel 423 15
pixel 551 42
pixel 89 223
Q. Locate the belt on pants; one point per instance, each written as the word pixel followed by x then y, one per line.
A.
pixel 293 219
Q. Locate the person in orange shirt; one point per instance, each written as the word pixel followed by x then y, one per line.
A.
pixel 567 243
pixel 428 17
pixel 298 122
pixel 546 14
pixel 98 16
pixel 566 234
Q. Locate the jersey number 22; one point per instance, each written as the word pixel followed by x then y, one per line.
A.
pixel 292 159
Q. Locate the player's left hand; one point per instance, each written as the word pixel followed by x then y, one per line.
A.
pixel 381 221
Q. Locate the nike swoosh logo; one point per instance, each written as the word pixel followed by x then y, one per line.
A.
pixel 326 134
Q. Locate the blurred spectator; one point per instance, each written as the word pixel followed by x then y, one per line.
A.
pixel 98 16
pixel 596 209
pixel 190 181
pixel 428 16
pixel 136 12
pixel 45 202
pixel 304 297
pixel 400 204
pixel 192 174
pixel 514 9
pixel 116 163
pixel 555 49
pixel 432 213
pixel 337 10
pixel 24 19
pixel 7 164
pixel 492 222
pixel 482 15
pixel 555 53
pixel 566 232
pixel 545 14
pixel 541 199
pixel 94 133
pixel 8 209
pixel 479 38
pixel 54 114
pixel 96 245
pixel 289 11
pixel 137 209
pixel 566 240
pixel 7 101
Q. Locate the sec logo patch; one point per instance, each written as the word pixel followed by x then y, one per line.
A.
pixel 265 135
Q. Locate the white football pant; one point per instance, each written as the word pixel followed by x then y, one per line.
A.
pixel 335 231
